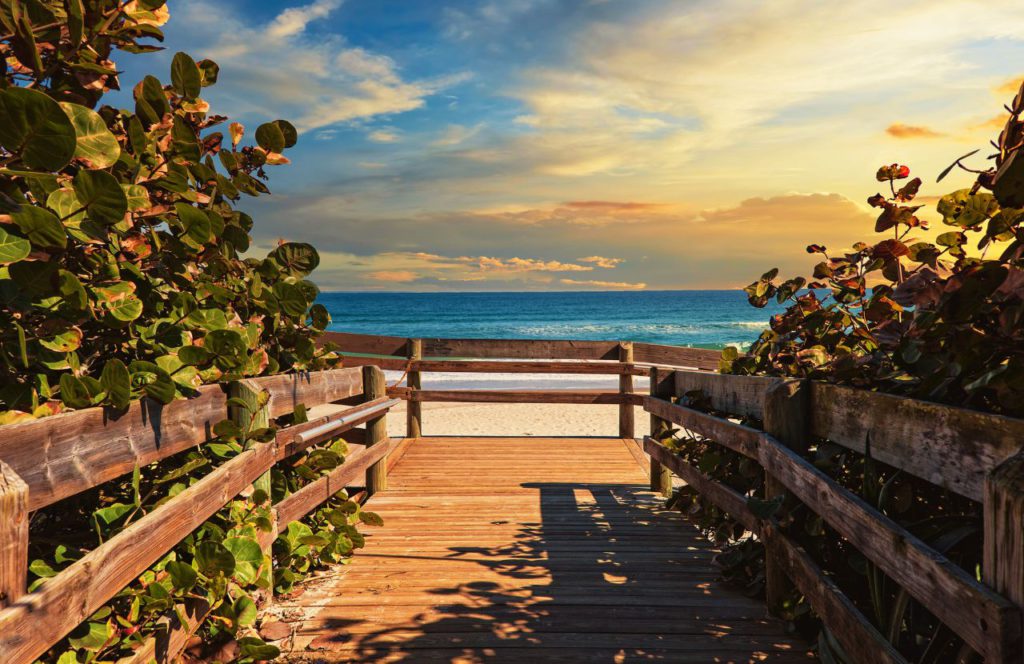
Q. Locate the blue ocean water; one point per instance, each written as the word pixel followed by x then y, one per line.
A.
pixel 703 319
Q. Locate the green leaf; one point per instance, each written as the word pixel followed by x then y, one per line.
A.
pixel 42 569
pixel 248 557
pixel 182 576
pixel 94 142
pixel 185 76
pixel 195 224
pixel 64 341
pixel 371 518
pixel 101 195
pixel 270 137
pixel 208 72
pixel 92 636
pixel 117 383
pixel 245 611
pixel 291 136
pixel 41 226
pixel 153 380
pixel 119 301
pixel 255 648
pixel 113 513
pixel 213 558
pixel 13 248
pixel 35 128
pixel 78 392
pixel 298 257
pixel 137 196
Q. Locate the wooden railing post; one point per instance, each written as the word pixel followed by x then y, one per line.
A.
pixel 414 408
pixel 1003 560
pixel 627 422
pixel 13 535
pixel 787 419
pixel 663 387
pixel 374 387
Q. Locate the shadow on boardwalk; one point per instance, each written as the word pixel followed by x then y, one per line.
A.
pixel 603 575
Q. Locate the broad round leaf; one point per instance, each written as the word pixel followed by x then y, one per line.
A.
pixel 94 142
pixel 35 127
pixel 270 137
pixel 117 383
pixel 64 342
pixel 297 257
pixel 41 226
pixel 185 76
pixel 208 71
pixel 195 224
pixel 291 136
pixel 212 557
pixel 12 247
pixel 101 195
pixel 137 196
pixel 65 203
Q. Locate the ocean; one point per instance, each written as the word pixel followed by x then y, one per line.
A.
pixel 702 319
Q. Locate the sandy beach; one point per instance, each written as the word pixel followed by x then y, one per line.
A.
pixel 499 419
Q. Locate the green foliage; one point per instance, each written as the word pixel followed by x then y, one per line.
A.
pixel 122 276
pixel 940 321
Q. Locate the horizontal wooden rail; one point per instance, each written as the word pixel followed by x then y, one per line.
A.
pixel 856 634
pixel 988 622
pixel 520 396
pixel 532 367
pixel 31 623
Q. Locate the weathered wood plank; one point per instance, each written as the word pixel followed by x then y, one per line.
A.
pixel 677 356
pixel 983 618
pixel 1003 560
pixel 369 344
pixel 62 455
pixel 32 623
pixel 737 395
pixel 376 430
pixel 723 497
pixel 951 447
pixel 860 639
pixel 520 396
pixel 529 366
pixel 627 411
pixel 527 349
pixel 414 410
pixel 736 437
pixel 309 388
pixel 13 535
pixel 303 501
pixel 391 363
pixel 168 644
pixel 662 389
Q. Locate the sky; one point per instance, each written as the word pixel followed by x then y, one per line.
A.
pixel 595 144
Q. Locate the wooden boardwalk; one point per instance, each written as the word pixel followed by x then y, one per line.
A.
pixel 530 550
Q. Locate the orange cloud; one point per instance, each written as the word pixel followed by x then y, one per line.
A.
pixel 601 261
pixel 393 276
pixel 900 130
pixel 596 283
pixel 1009 87
pixel 610 205
pixel 995 123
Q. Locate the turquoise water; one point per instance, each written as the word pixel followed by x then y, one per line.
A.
pixel 705 319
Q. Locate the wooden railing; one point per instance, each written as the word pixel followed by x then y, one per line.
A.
pixel 975 455
pixel 416 357
pixel 48 460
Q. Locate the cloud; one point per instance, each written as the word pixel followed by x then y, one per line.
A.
pixel 994 123
pixel 456 134
pixel 278 69
pixel 393 276
pixel 601 261
pixel 1010 87
pixel 596 283
pixel 610 205
pixel 900 130
pixel 384 136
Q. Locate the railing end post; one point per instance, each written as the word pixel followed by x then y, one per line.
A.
pixel 413 407
pixel 13 535
pixel 374 387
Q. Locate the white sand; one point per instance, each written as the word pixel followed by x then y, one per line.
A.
pixel 501 419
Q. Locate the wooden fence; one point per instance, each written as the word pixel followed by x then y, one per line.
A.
pixel 975 455
pixel 44 461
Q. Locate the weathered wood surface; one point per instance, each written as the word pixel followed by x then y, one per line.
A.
pixel 627 411
pixel 720 495
pixel 13 535
pixel 300 503
pixel 852 629
pixel 368 344
pixel 168 644
pixel 32 623
pixel 309 388
pixel 677 356
pixel 736 395
pixel 662 387
pixel 62 455
pixel 861 640
pixel 990 623
pixel 530 549
pixel 519 396
pixel 1004 529
pixel 725 433
pixel 414 409
pixel 376 430
pixel 529 366
pixel 951 447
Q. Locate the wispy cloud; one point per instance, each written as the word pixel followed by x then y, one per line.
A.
pixel 900 130
pixel 597 283
pixel 384 136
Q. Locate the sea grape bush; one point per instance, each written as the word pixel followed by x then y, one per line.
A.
pixel 122 276
pixel 940 321
pixel 121 272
